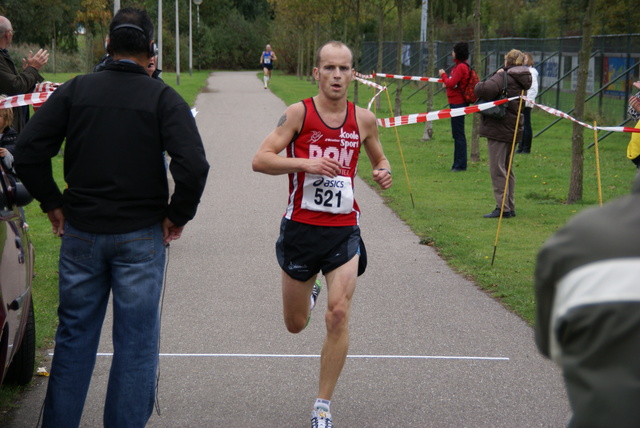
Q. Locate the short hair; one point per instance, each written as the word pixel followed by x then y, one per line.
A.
pixel 514 57
pixel 129 40
pixel 461 50
pixel 7 114
pixel 335 44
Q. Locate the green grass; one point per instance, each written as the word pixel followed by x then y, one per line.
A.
pixel 449 206
pixel 45 283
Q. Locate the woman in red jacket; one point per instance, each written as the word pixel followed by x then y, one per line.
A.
pixel 456 84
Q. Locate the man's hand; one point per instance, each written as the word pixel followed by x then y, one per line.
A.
pixel 383 178
pixel 170 232
pixel 323 166
pixel 36 61
pixel 634 102
pixel 56 217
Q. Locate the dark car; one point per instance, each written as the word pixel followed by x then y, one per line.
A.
pixel 17 324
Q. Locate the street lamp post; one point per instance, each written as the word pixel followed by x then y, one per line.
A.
pixel 197 3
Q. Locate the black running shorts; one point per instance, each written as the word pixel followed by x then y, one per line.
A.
pixel 303 250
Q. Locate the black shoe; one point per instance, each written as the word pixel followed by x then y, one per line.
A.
pixel 496 213
pixel 458 169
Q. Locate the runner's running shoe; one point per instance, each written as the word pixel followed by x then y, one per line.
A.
pixel 317 287
pixel 321 419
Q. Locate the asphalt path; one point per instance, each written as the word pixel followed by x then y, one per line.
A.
pixel 428 348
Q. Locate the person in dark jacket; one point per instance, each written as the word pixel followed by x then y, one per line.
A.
pixel 456 84
pixel 500 132
pixel 13 82
pixel 115 217
pixel 588 311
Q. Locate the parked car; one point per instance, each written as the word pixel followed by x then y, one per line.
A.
pixel 17 324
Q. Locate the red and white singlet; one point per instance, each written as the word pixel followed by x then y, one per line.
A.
pixel 321 200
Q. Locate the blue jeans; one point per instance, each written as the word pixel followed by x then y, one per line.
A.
pixel 459 140
pixel 131 266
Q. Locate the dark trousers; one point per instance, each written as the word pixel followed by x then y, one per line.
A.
pixel 459 140
pixel 527 135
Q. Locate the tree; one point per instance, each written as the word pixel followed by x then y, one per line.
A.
pixel 475 138
pixel 398 105
pixel 577 140
pixel 382 9
pixel 428 126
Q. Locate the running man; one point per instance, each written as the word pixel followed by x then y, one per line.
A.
pixel 266 61
pixel 320 229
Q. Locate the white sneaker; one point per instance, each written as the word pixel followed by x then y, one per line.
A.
pixel 321 419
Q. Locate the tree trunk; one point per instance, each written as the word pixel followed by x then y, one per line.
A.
pixel 398 107
pixel 577 139
pixel 299 68
pixel 475 138
pixel 357 49
pixel 380 50
pixel 431 64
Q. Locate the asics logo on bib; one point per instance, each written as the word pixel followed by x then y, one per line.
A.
pixel 339 184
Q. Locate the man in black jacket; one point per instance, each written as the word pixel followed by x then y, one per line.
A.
pixel 588 311
pixel 114 217
pixel 12 82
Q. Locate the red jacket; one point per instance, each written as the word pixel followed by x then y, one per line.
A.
pixel 456 82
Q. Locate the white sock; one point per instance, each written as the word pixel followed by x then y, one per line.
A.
pixel 265 80
pixel 322 405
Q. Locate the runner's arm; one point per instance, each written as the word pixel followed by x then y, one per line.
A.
pixel 268 159
pixel 371 140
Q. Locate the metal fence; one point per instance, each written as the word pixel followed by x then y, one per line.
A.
pixel 613 67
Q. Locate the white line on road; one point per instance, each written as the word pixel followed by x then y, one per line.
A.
pixel 405 357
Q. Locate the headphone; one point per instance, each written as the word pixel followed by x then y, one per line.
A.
pixel 153 47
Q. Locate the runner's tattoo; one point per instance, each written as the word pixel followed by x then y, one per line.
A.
pixel 282 120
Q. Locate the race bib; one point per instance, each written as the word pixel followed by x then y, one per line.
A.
pixel 267 60
pixel 330 195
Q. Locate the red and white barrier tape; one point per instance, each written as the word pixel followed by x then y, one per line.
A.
pixel 449 113
pixel 24 99
pixel 563 115
pixel 418 78
pixel 396 76
pixel 363 76
pixel 370 83
pixel 40 94
pixel 380 88
pixel 46 87
pixel 440 114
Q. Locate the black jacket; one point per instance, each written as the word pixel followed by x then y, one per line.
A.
pixel 14 83
pixel 117 124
